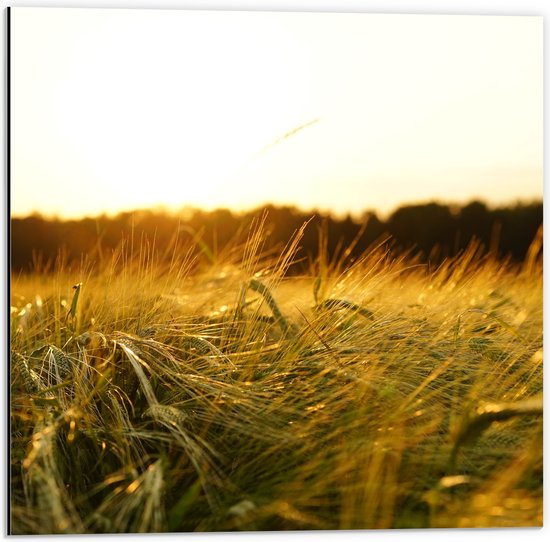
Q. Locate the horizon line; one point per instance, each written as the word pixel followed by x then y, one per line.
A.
pixel 186 209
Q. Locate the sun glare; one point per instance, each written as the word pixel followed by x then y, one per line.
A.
pixel 104 120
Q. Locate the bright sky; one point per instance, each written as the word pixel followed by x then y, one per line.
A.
pixel 121 109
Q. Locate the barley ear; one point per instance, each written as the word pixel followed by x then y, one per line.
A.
pixel 484 416
pixel 30 378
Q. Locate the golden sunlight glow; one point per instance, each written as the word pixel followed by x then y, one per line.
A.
pixel 121 109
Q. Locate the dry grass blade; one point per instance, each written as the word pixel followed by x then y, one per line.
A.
pixel 136 362
pixel 137 504
pixel 60 364
pixel 199 452
pixel 44 483
pixel 261 288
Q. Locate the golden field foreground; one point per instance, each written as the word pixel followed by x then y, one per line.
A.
pixel 217 392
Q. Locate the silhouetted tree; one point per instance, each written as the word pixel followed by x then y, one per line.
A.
pixel 434 231
pixel 423 227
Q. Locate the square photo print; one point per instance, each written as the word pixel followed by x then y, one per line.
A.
pixel 274 271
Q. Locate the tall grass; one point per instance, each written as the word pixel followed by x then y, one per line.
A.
pixel 213 393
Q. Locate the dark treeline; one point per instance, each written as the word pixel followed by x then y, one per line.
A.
pixel 431 231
